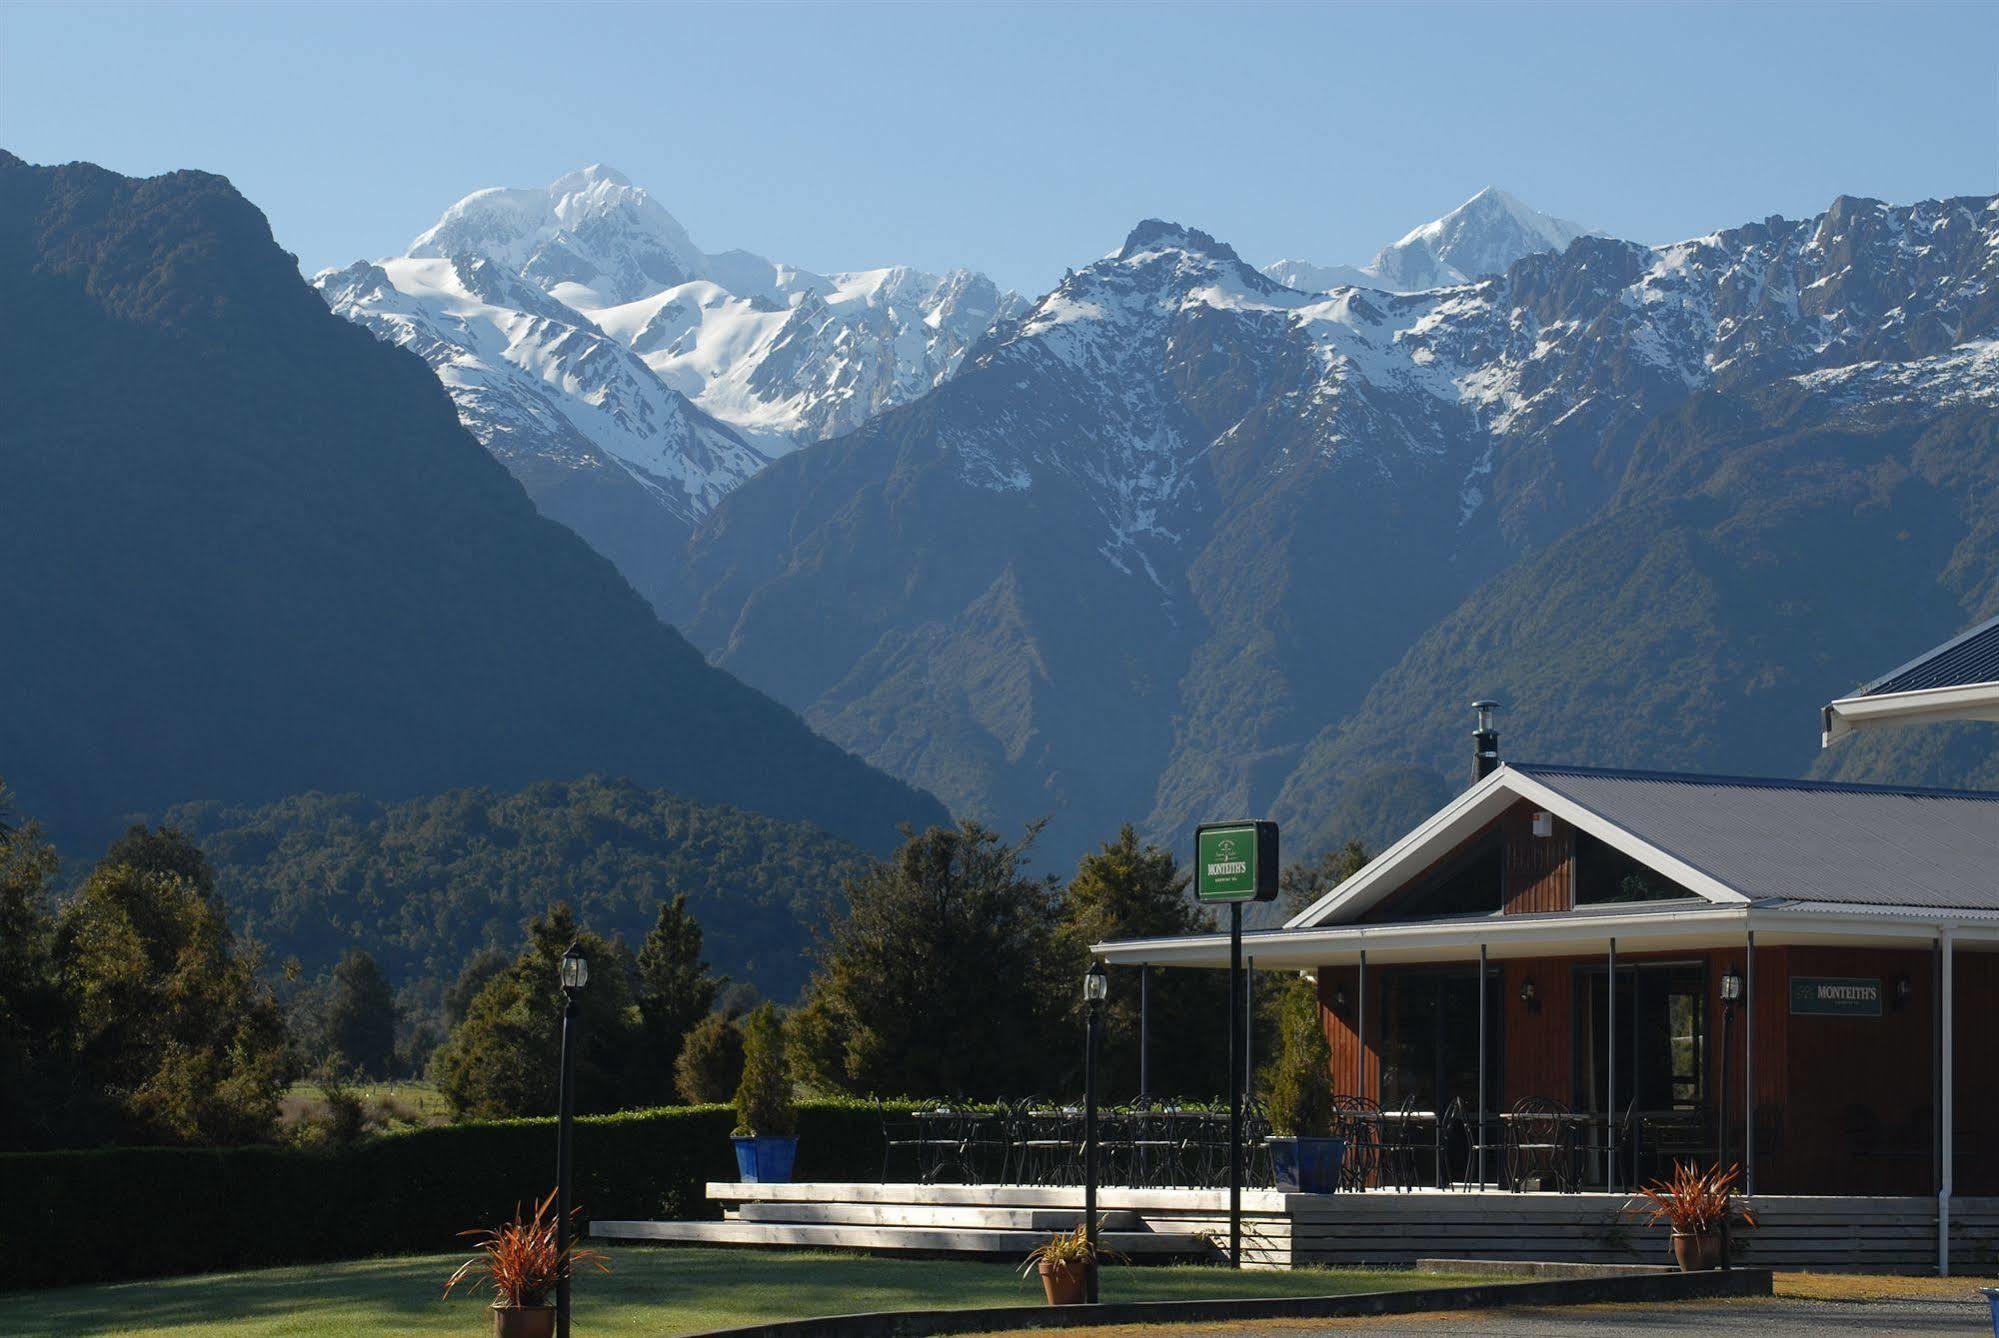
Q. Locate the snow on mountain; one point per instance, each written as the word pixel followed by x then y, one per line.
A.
pixel 1479 238
pixel 589 343
pixel 1557 348
pixel 537 383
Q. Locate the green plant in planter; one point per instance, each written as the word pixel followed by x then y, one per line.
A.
pixel 1299 1084
pixel 765 1106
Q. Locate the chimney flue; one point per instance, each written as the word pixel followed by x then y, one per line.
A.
pixel 1484 742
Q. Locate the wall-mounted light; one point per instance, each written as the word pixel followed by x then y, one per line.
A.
pixel 1339 998
pixel 1527 995
pixel 1905 990
pixel 1544 823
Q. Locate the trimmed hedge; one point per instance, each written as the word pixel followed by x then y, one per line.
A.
pixel 115 1213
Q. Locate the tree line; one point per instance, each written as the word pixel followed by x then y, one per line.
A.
pixel 130 1011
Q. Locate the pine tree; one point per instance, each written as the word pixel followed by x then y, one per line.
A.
pixel 361 1016
pixel 676 988
pixel 942 979
pixel 1122 890
pixel 501 1060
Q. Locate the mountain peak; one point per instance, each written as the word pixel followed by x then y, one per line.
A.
pixel 1476 240
pixel 1156 234
pixel 575 183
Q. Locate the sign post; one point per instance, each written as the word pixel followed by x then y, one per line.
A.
pixel 1235 862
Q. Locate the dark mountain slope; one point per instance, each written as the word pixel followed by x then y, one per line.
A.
pixel 247 551
pixel 1763 553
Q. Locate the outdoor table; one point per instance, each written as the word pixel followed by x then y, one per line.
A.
pixel 1418 1117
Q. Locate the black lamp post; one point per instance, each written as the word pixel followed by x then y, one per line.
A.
pixel 575 975
pixel 1731 991
pixel 1096 985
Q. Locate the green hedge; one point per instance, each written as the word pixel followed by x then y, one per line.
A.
pixel 114 1213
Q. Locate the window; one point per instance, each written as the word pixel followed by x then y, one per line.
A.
pixel 1605 874
pixel 1467 883
pixel 1661 1037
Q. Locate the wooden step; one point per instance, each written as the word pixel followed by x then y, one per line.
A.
pixel 931 1215
pixel 1012 1244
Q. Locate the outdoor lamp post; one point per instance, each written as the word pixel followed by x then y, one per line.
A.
pixel 1731 991
pixel 1096 986
pixel 575 975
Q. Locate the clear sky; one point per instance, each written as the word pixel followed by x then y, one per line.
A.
pixel 1020 139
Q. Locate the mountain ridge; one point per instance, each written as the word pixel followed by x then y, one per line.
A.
pixel 273 560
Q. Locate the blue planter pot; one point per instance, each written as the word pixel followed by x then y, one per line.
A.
pixel 1307 1165
pixel 765 1161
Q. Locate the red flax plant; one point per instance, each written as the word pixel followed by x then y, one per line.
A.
pixel 521 1260
pixel 1692 1201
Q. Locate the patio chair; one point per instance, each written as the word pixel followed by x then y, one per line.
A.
pixel 1399 1147
pixel 1539 1145
pixel 1357 1119
pixel 1462 1120
pixel 1154 1147
pixel 1048 1145
pixel 900 1134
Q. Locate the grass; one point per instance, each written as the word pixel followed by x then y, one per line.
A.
pixel 651 1292
pixel 389 1105
pixel 1876 1287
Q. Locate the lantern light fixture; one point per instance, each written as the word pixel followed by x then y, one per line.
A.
pixel 1731 985
pixel 1096 983
pixel 575 970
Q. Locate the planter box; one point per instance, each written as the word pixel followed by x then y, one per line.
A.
pixel 1307 1165
pixel 766 1161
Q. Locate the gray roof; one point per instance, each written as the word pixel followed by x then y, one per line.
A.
pixel 1971 657
pixel 1797 842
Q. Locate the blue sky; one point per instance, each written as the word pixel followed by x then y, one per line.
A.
pixel 1020 139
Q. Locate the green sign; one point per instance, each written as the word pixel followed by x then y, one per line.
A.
pixel 1835 996
pixel 1235 861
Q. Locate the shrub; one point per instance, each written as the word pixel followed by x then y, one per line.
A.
pixel 710 1065
pixel 1300 1081
pixel 764 1103
pixel 95 1216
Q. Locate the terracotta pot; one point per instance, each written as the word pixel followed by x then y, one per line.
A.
pixel 1065 1283
pixel 1697 1253
pixel 526 1321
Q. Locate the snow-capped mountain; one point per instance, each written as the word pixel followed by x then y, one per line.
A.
pixel 629 378
pixel 538 384
pixel 1479 238
pixel 1165 531
pixel 782 354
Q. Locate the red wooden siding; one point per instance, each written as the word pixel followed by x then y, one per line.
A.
pixel 1540 870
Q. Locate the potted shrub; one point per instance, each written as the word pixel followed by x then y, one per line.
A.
pixel 1304 1158
pixel 1698 1205
pixel 1064 1262
pixel 766 1136
pixel 522 1264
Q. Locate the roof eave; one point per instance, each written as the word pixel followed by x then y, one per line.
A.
pixel 1967 701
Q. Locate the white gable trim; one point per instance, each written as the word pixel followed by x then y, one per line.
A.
pixel 1457 820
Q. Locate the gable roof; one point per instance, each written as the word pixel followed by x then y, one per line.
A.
pixel 1731 840
pixel 1958 680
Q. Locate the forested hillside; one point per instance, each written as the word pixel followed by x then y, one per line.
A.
pixel 425 884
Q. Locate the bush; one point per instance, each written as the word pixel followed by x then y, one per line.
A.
pixel 710 1066
pixel 115 1213
pixel 1300 1081
pixel 764 1103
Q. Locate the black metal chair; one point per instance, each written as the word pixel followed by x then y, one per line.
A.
pixel 1047 1145
pixel 1540 1146
pixel 1462 1121
pixel 1357 1119
pixel 1399 1148
pixel 900 1134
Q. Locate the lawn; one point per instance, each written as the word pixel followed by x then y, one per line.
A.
pixel 651 1292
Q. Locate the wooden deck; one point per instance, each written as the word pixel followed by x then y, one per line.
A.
pixel 1378 1227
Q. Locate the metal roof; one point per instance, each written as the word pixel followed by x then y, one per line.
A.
pixel 1971 657
pixel 1786 841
